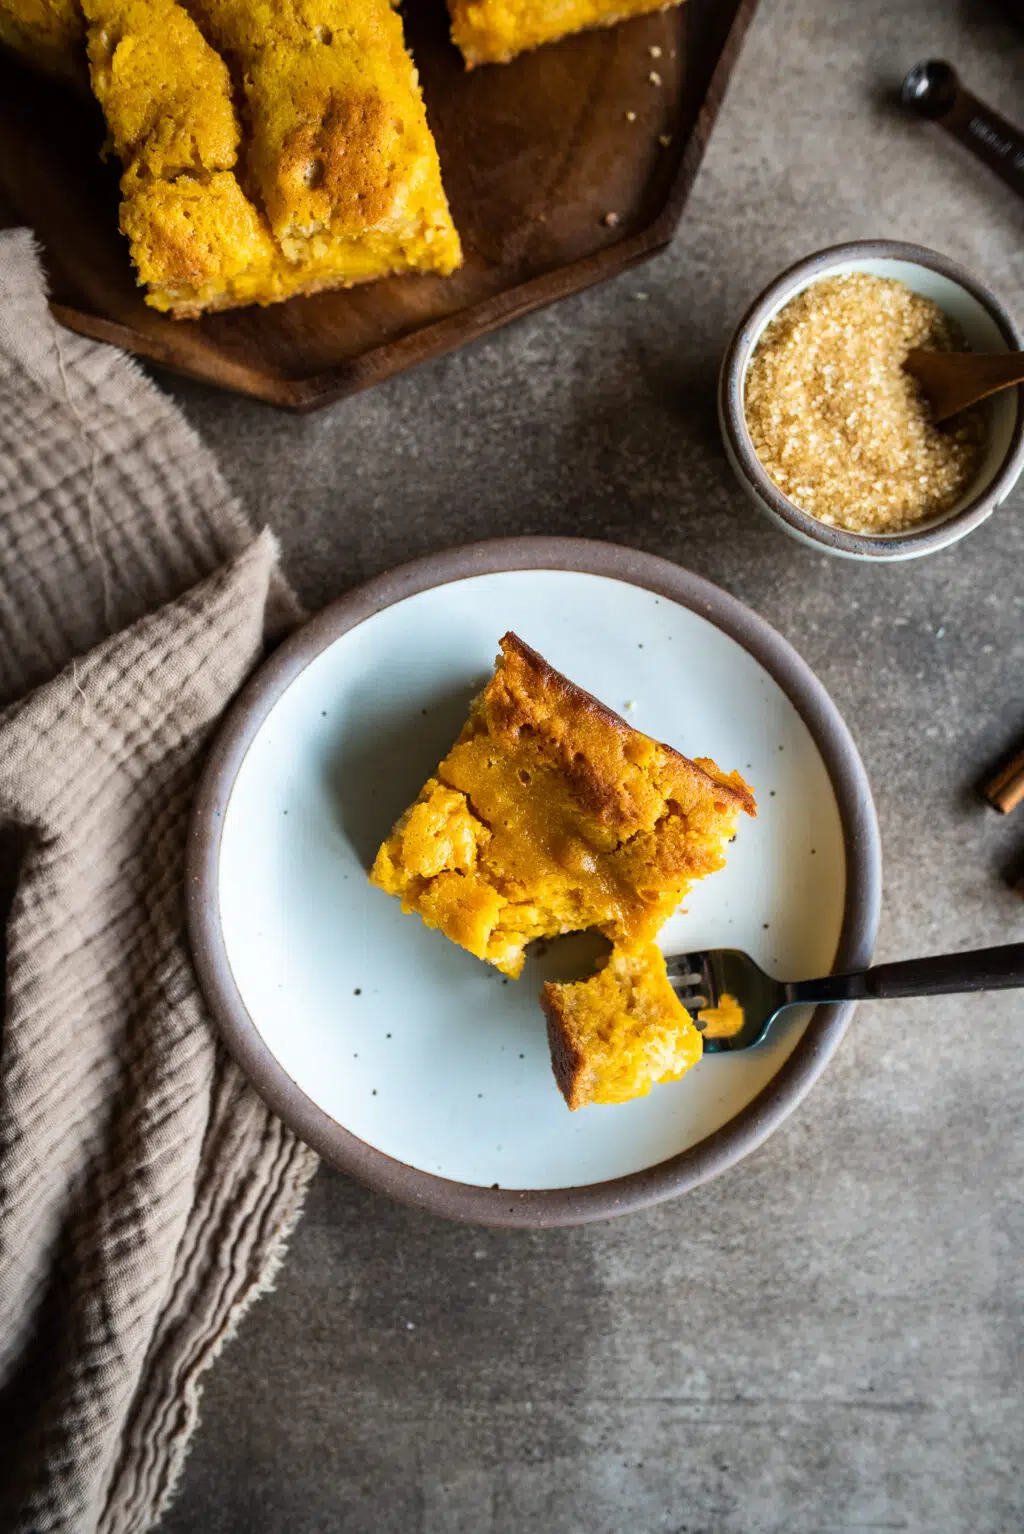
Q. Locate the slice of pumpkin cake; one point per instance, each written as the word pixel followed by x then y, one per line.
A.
pixel 339 154
pixel 551 814
pixel 494 31
pixel 195 238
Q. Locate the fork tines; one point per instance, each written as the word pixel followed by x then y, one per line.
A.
pixel 690 978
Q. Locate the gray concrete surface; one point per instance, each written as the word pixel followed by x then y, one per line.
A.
pixel 829 1337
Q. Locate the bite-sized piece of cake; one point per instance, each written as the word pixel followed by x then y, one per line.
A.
pixel 615 1036
pixel 195 238
pixel 551 814
pixel 723 1021
pixel 49 34
pixel 341 158
pixel 494 31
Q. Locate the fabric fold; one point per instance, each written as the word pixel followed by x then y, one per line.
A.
pixel 145 1190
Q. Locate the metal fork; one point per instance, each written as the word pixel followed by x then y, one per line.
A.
pixel 701 980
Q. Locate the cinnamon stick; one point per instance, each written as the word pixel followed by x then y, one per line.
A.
pixel 1006 789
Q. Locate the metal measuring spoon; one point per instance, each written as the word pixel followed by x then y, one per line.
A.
pixel 934 90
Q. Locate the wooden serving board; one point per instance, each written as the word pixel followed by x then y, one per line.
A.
pixel 535 155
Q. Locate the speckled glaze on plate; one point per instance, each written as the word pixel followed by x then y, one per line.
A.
pixel 402 1059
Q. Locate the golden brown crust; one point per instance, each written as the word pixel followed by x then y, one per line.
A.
pixel 330 150
pixel 532 680
pixel 568 1062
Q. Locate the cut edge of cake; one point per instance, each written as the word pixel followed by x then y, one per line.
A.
pixel 614 1036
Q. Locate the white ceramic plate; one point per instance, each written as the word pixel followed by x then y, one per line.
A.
pixel 417 1050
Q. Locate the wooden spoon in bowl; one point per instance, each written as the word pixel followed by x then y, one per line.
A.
pixel 953 380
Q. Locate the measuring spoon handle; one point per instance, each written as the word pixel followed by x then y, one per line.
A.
pixel 934 90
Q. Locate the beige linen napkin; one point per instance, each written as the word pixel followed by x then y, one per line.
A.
pixel 145 1190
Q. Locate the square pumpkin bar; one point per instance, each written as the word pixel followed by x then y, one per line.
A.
pixel 494 31
pixel 329 176
pixel 551 814
pixel 338 152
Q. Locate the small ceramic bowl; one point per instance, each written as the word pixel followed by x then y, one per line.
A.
pixel 987 327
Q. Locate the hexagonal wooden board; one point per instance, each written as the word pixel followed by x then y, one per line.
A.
pixel 535 155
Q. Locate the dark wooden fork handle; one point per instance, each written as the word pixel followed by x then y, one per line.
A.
pixel 983 969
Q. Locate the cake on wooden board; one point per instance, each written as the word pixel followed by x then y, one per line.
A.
pixel 494 31
pixel 338 152
pixel 269 149
pixel 331 177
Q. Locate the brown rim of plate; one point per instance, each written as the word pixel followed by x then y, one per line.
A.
pixel 548 1206
pixel 733 418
